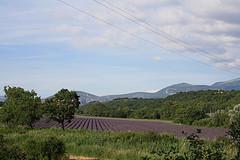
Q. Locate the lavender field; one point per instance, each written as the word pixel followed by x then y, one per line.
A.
pixel 128 125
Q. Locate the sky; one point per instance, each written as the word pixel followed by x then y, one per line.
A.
pixel 47 45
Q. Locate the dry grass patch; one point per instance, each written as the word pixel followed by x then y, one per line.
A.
pixel 71 157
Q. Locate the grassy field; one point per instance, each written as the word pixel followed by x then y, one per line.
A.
pixel 108 145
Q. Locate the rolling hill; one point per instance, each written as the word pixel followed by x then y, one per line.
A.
pixel 165 92
pixel 170 90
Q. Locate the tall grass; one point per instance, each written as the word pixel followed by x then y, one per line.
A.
pixel 105 145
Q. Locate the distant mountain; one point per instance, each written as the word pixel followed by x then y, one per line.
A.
pixel 170 90
pixel 87 97
pixel 181 87
pixel 129 95
pixel 228 85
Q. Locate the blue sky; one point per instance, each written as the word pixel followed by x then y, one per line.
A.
pixel 46 46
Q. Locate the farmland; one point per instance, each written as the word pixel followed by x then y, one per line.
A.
pixel 127 125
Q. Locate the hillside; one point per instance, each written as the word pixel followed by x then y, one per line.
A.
pixel 228 85
pixel 87 97
pixel 165 92
pixel 185 107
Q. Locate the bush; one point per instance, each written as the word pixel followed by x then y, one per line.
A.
pixel 189 115
pixel 220 118
pixel 53 149
pixel 10 152
pixel 202 122
pixel 33 150
pixel 234 132
pixel 197 150
pixel 50 149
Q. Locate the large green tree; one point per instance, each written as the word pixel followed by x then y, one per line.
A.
pixel 21 107
pixel 62 106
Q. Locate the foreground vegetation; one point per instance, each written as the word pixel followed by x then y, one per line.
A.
pixel 127 146
pixel 204 108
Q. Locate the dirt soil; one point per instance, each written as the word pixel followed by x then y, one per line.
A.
pixel 71 157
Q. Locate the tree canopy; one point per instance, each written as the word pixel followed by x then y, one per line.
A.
pixel 62 106
pixel 21 107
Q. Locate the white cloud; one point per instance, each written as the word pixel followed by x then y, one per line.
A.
pixel 156 58
pixel 209 25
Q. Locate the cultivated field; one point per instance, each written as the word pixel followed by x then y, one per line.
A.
pixel 119 125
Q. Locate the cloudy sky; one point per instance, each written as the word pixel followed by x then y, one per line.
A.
pixel 94 46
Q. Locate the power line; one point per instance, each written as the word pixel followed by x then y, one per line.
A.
pixel 152 29
pixel 118 28
pixel 122 30
pixel 112 25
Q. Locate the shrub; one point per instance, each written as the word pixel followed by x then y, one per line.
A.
pixel 171 153
pixel 234 132
pixel 202 122
pixel 195 147
pixel 10 152
pixel 189 115
pixel 198 150
pixel 53 149
pixel 220 118
pixel 33 150
pixel 50 149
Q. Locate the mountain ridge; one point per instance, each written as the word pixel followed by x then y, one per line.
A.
pixel 167 91
pixel 85 97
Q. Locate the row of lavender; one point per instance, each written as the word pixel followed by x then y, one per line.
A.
pixel 117 125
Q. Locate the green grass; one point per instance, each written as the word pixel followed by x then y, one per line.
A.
pixel 104 145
